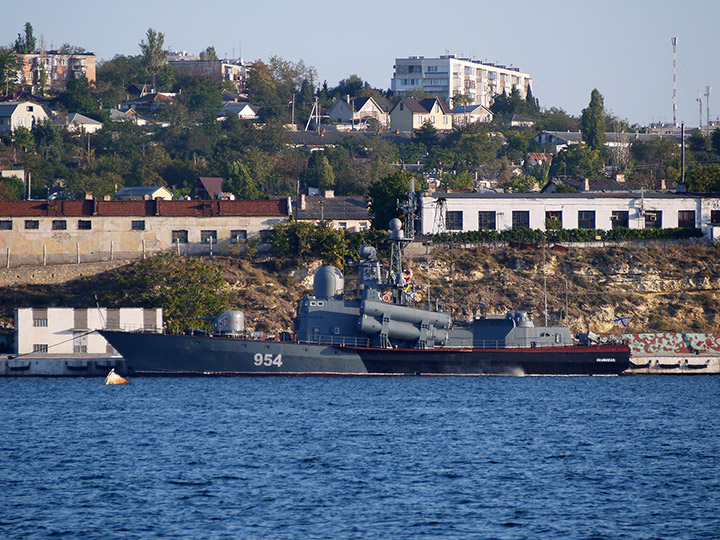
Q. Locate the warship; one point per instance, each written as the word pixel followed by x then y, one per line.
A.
pixel 378 331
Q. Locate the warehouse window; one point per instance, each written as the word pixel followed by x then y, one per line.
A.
pixel 208 236
pixel 486 221
pixel 40 323
pixel 84 225
pixel 553 219
pixel 237 236
pixel 620 218
pixel 59 225
pixel 520 218
pixel 6 225
pixel 586 219
pixel 653 219
pixel 40 347
pixel 32 224
pixel 180 236
pixel 138 225
pixel 454 220
pixel 686 219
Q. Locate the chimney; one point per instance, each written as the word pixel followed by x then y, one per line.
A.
pixel 347 98
pixel 106 198
pixel 620 178
pixel 88 195
pixel 303 204
pixel 587 184
pixel 662 186
pixel 329 193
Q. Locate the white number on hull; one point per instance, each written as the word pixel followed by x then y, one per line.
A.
pixel 267 360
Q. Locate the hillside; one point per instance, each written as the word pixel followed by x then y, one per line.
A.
pixel 662 288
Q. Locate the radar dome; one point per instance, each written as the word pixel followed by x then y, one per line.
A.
pixel 329 282
pixel 395 224
pixel 368 252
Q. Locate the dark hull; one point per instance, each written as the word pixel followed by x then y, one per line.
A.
pixel 160 354
pixel 594 360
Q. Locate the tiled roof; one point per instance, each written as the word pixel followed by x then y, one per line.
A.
pixel 157 207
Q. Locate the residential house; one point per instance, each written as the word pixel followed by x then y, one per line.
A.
pixel 244 111
pixel 409 114
pixel 207 188
pixel 34 232
pixel 344 212
pixel 129 115
pixel 149 103
pixel 515 120
pixel 556 141
pixel 17 173
pixel 142 193
pixel 43 70
pixel 81 123
pixel 469 114
pixel 447 76
pixel 539 158
pixel 442 212
pixel 14 114
pixel 360 109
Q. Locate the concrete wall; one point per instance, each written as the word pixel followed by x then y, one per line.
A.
pixel 113 237
pixel 65 330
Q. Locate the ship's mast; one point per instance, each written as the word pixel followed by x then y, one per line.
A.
pixel 400 240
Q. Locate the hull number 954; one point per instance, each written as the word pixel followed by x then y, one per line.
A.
pixel 268 359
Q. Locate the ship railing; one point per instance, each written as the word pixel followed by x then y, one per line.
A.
pixel 479 344
pixel 137 327
pixel 346 341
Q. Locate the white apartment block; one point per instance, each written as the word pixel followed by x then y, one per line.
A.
pixel 448 76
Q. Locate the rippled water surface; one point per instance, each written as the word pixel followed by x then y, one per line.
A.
pixel 395 457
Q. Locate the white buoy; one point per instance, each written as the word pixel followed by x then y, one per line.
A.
pixel 114 378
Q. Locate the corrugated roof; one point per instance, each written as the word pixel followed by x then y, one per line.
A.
pixel 334 208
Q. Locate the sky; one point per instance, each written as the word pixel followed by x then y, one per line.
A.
pixel 621 47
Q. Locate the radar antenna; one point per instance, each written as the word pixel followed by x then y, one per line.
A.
pixel 400 240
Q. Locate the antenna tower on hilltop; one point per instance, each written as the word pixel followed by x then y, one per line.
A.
pixel 674 45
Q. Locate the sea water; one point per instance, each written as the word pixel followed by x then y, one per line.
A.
pixel 385 458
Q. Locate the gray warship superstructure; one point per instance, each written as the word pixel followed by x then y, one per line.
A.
pixel 376 332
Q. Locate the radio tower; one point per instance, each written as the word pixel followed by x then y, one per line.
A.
pixel 674 45
pixel 699 98
pixel 707 104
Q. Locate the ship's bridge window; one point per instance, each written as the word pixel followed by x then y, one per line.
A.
pixel 335 330
pixel 544 334
pixel 558 338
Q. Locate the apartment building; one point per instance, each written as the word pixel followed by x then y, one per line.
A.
pixel 447 76
pixel 43 70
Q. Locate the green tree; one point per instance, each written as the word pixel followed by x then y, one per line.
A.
pixel 77 97
pixel 383 196
pixel 23 138
pixel 461 180
pixel 240 181
pixel 715 141
pixel 25 44
pixel 11 189
pixel 262 91
pixel 319 173
pixel 593 122
pixel 153 53
pixel 704 179
pixel 556 119
pixel 48 140
pixel 348 87
pixel 426 134
pixel 187 288
pixel 209 54
pixel 654 158
pixel 9 65
pixel 577 161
